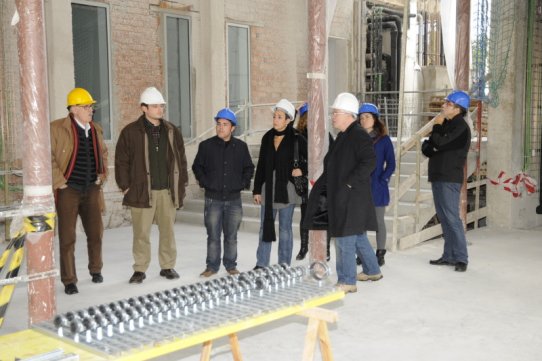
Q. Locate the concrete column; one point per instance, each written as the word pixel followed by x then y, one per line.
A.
pixel 58 31
pixel 212 75
pixel 505 138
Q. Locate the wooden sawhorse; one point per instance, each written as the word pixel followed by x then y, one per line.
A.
pixel 316 331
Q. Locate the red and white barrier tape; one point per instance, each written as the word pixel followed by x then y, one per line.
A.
pixel 515 184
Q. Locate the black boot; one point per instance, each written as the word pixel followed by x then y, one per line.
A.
pixel 304 233
pixel 358 261
pixel 328 256
pixel 380 253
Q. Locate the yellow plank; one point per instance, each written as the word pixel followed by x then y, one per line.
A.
pixel 29 343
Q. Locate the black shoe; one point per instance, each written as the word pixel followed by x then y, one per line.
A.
pixel 460 267
pixel 71 289
pixel 302 253
pixel 358 261
pixel 137 277
pixel 257 267
pixel 170 274
pixel 441 262
pixel 97 277
pixel 380 253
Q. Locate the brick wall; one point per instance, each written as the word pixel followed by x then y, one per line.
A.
pixel 136 56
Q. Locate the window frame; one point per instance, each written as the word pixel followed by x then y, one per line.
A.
pixel 107 8
pixel 248 113
pixel 165 17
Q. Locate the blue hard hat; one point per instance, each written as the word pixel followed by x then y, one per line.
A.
pixel 460 98
pixel 227 113
pixel 304 108
pixel 369 108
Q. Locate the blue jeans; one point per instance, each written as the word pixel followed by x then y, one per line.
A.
pixel 286 237
pixel 222 216
pixel 446 196
pixel 347 248
pixel 366 254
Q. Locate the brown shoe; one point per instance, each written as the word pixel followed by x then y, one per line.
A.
pixel 233 271
pixel 207 273
pixel 170 274
pixel 137 277
pixel 346 288
pixel 364 277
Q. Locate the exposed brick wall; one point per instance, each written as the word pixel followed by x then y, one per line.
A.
pixel 136 56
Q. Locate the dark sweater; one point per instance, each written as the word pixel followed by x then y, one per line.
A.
pixel 84 170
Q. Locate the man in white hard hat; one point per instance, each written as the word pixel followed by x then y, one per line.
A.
pixel 151 171
pixel 347 177
pixel 79 165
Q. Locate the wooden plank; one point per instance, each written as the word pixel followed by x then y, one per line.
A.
pixel 206 351
pixel 320 314
pixel 235 349
pixel 310 339
pixel 325 342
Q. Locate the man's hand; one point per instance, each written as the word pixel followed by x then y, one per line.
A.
pixel 297 172
pixel 125 191
pixel 439 119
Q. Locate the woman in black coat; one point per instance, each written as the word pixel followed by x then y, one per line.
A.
pixel 273 184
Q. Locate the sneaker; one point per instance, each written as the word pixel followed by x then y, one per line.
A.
pixel 207 273
pixel 169 273
pixel 97 277
pixel 233 271
pixel 71 289
pixel 137 277
pixel 346 288
pixel 364 277
pixel 257 268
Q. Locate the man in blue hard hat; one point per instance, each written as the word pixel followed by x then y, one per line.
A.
pixel 223 167
pixel 447 149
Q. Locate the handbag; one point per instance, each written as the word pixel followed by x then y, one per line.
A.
pixel 301 183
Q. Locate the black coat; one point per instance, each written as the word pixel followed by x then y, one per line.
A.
pixel 347 182
pixel 450 143
pixel 223 170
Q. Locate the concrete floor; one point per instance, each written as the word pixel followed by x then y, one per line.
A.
pixel 417 312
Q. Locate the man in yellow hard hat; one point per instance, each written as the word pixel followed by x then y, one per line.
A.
pixel 79 163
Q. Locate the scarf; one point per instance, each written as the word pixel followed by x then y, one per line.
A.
pixel 280 161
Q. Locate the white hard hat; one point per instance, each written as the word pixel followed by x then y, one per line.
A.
pixel 347 102
pixel 285 106
pixel 151 95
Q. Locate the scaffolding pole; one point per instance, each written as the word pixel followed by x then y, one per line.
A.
pixel 316 128
pixel 38 203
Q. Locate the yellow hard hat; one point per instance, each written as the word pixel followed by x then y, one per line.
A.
pixel 80 96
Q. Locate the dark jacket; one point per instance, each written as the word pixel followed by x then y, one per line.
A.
pixel 347 176
pixel 449 145
pixel 385 166
pixel 223 169
pixel 132 164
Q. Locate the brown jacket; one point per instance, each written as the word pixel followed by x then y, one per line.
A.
pixel 62 147
pixel 132 169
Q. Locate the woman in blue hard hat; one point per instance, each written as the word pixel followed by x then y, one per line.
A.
pixel 273 183
pixel 369 117
pixel 447 149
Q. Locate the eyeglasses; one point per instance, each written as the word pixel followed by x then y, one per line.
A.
pixel 338 113
pixel 87 107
